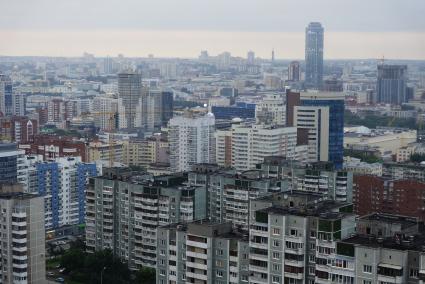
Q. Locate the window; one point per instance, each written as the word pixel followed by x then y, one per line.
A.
pixel 367 268
pixel 276 231
pixel 275 279
pixel 276 255
pixel 245 278
pixel 276 267
pixel 293 232
pixel 367 281
pixel 219 273
pixel 219 263
pixel 219 252
pixel 276 243
pixel 414 272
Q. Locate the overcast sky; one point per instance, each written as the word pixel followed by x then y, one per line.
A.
pixel 43 26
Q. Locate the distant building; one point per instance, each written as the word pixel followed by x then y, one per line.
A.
pixel 191 141
pixel 250 58
pixel 392 84
pixel 167 100
pixel 105 113
pixel 294 71
pixel 130 100
pixel 23 253
pixel 314 55
pixel 240 110
pixel 6 95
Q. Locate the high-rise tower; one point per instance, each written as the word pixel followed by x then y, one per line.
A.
pixel 130 99
pixel 314 55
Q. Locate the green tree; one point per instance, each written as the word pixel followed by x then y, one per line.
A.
pixel 145 275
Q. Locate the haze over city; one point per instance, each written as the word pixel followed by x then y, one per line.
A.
pixel 354 29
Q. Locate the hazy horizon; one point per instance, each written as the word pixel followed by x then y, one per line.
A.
pixel 354 29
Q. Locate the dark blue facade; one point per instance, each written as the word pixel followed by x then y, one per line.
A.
pixel 336 128
pixel 42 170
pixel 8 99
pixel 241 110
pixel 83 171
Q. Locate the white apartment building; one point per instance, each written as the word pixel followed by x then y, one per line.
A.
pixel 252 143
pixel 271 110
pixel 191 141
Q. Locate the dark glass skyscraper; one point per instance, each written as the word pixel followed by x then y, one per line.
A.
pixel 391 85
pixel 314 55
pixel 336 104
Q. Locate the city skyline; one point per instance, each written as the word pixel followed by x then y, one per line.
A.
pixel 389 29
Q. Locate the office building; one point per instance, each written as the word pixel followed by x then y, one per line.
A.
pixel 130 99
pixel 293 237
pixel 314 55
pixel 129 227
pixel 202 252
pixel 294 71
pixel 392 83
pixel 191 141
pixel 167 101
pixel 292 100
pixel 108 65
pixel 240 110
pixel 23 252
pixel 153 109
pixel 327 115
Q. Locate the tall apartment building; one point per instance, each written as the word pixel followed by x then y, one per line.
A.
pixel 392 83
pixel 202 252
pixel 191 141
pixel 105 110
pixel 251 143
pixel 223 147
pixel 23 237
pixel 62 183
pixel 132 101
pixel 314 55
pixel 125 208
pixel 384 195
pixel 271 110
pixel 229 193
pixel 293 237
pixel 6 95
pixel 154 109
pixel 317 178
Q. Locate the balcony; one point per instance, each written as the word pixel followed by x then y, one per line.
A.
pixel 197 244
pixel 197 265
